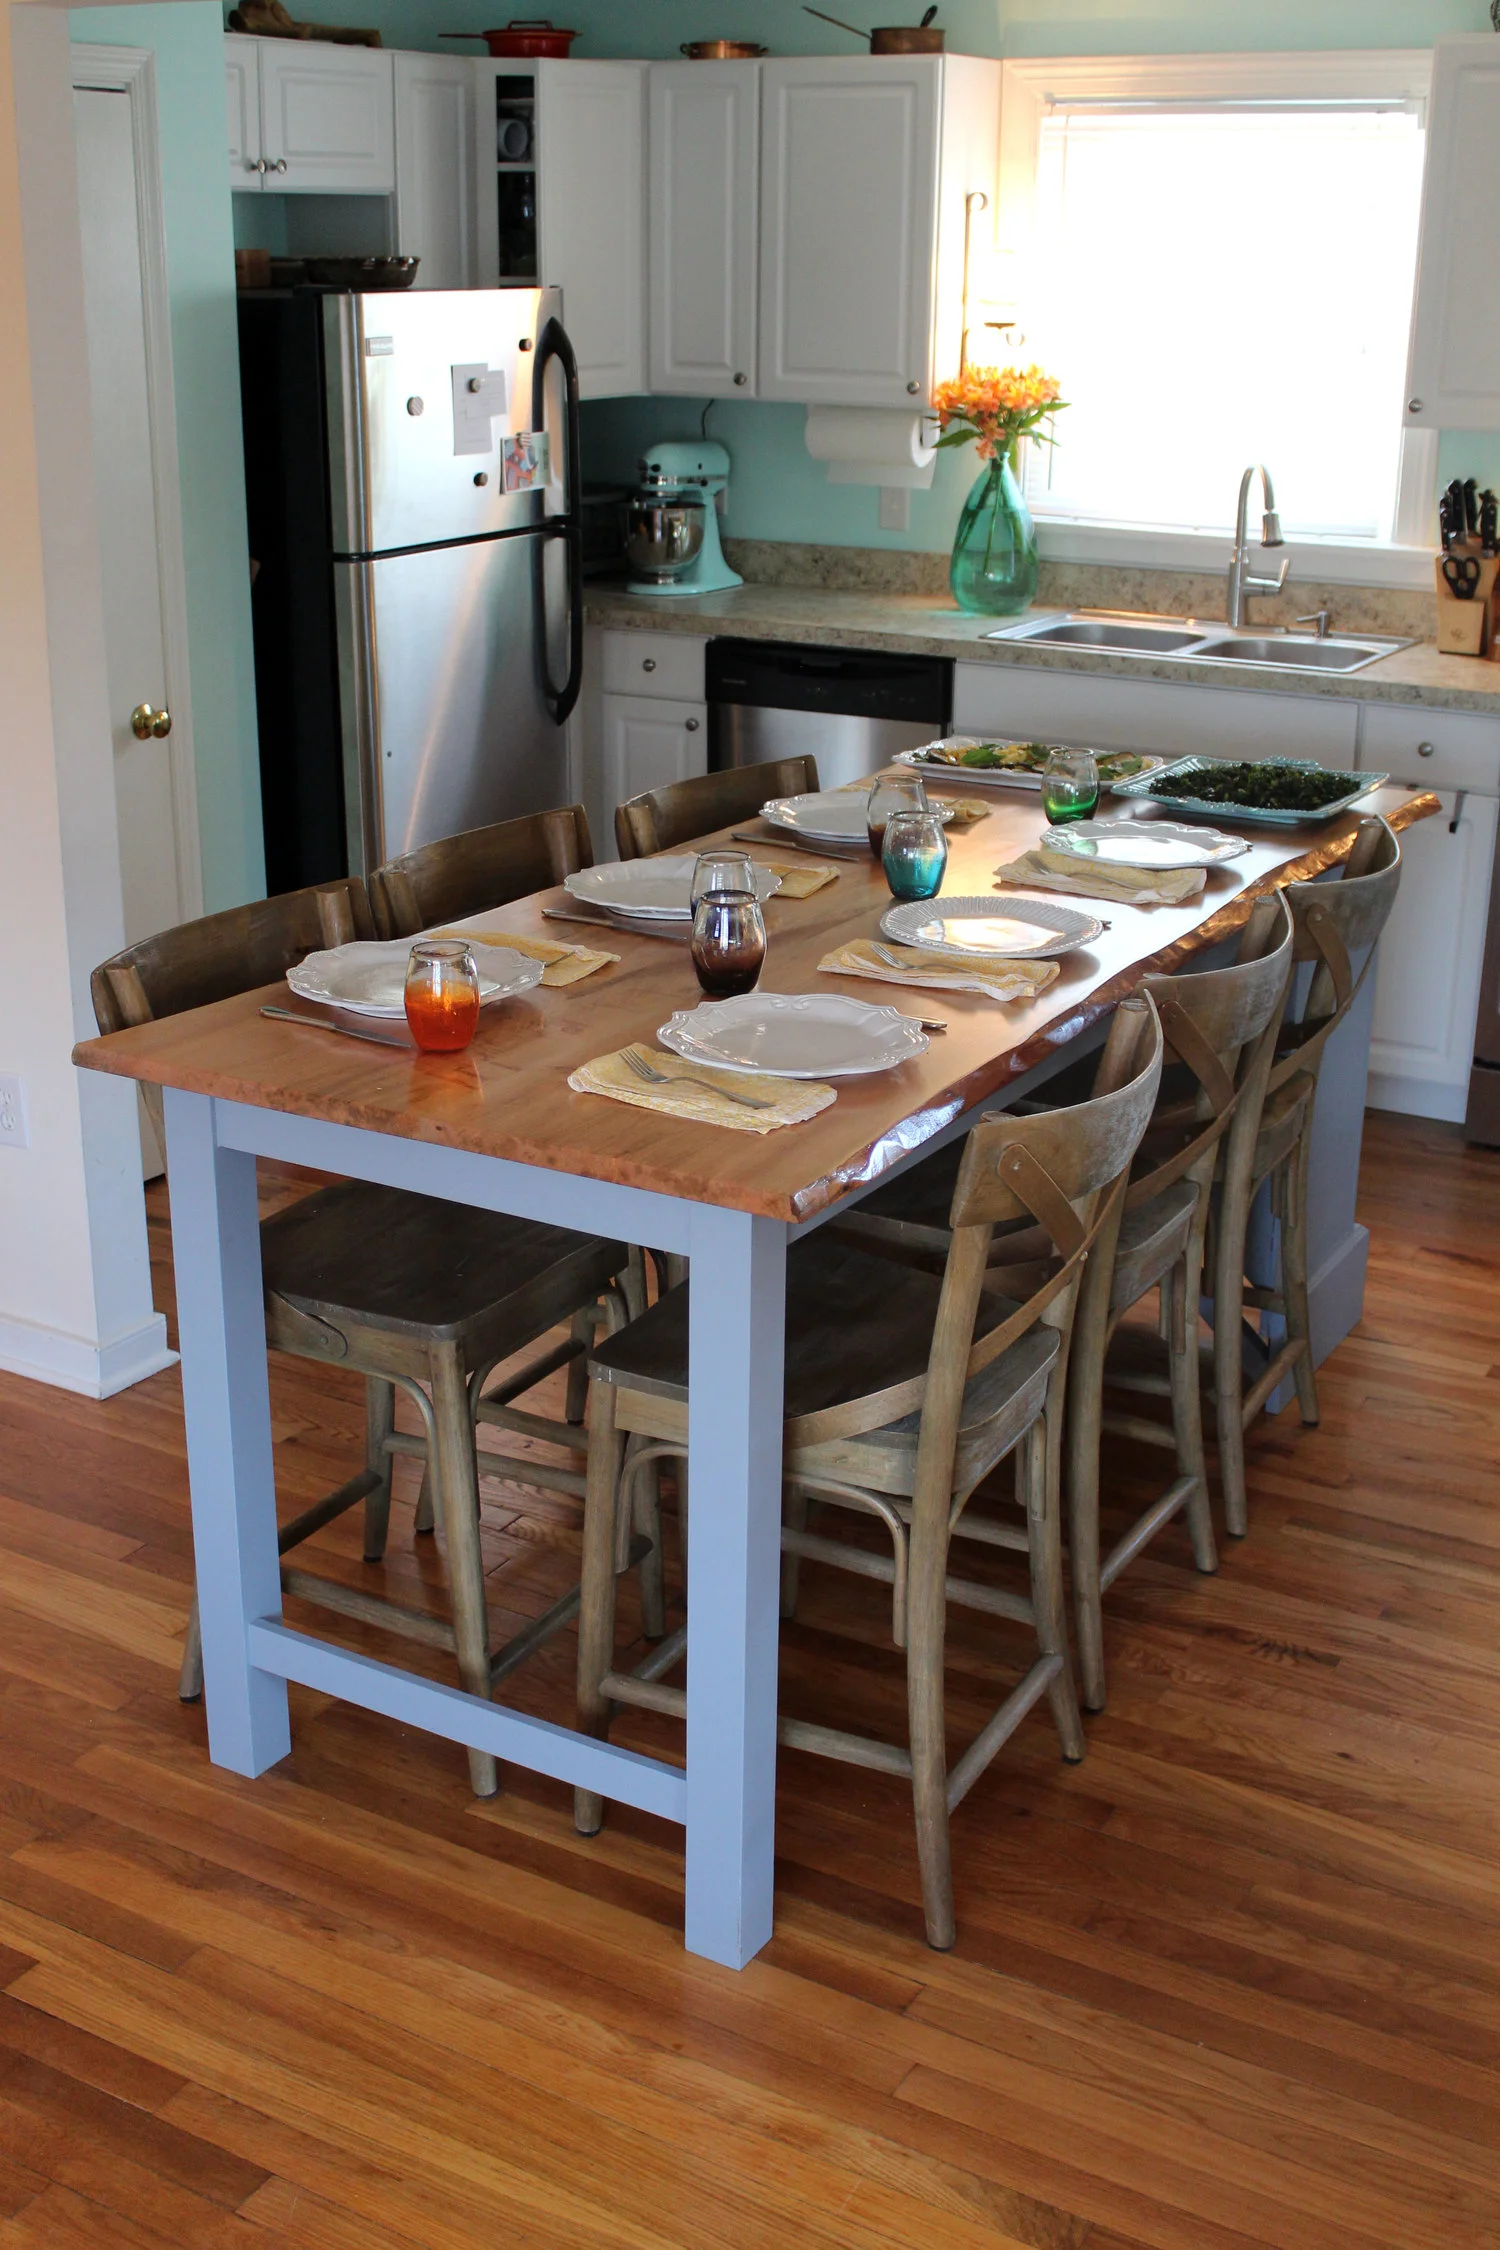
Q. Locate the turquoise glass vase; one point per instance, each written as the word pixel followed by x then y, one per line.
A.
pixel 994 566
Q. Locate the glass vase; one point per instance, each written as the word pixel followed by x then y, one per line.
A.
pixel 993 571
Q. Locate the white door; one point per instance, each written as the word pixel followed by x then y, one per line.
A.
pixel 1453 374
pixel 1431 954
pixel 242 100
pixel 327 118
pixel 591 196
pixel 648 744
pixel 435 167
pixel 849 154
pixel 705 166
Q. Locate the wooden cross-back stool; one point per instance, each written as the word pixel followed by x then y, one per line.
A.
pixel 458 875
pixel 407 1290
pixel 660 819
pixel 899 1403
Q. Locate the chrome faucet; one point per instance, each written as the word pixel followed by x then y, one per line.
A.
pixel 1241 584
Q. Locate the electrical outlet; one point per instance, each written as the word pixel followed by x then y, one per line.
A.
pixel 12 1112
pixel 895 507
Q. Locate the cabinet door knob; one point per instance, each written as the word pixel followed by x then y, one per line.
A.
pixel 691 725
pixel 741 381
pixel 1414 406
pixel 648 663
pixel 146 723
pixel 1425 749
pixel 913 388
pixel 279 165
pixel 255 163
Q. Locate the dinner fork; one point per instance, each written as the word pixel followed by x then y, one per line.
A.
pixel 634 1060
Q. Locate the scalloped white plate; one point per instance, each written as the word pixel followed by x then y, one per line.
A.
pixel 1013 929
pixel 795 1035
pixel 651 890
pixel 369 976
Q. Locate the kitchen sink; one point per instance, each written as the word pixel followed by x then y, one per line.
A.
pixel 1191 640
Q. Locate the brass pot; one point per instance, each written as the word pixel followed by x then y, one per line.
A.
pixel 721 50
pixel 907 39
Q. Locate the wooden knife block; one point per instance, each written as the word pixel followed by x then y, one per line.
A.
pixel 1467 628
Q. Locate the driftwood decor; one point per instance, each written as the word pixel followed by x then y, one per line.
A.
pixel 268 19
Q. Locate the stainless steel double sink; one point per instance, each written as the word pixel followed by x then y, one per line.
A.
pixel 1187 640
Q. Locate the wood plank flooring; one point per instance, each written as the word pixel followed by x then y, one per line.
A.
pixel 1233 1981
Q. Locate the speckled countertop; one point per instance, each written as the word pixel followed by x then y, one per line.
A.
pixel 923 625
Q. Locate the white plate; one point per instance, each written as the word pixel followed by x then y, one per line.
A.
pixel 1001 777
pixel 1144 843
pixel 369 978
pixel 651 890
pixel 794 1035
pixel 1013 929
pixel 829 816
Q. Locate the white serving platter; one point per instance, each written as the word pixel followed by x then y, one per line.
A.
pixel 651 890
pixel 1153 844
pixel 1013 929
pixel 829 816
pixel 1007 777
pixel 795 1035
pixel 368 978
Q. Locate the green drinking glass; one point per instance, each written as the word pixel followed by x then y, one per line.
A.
pixel 1070 786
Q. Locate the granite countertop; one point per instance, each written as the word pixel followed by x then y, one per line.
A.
pixel 923 625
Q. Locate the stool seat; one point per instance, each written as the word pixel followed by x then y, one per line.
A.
pixel 1152 1239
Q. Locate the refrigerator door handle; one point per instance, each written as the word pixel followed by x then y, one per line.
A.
pixel 553 343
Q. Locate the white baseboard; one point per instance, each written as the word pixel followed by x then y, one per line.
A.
pixel 73 1363
pixel 1416 1097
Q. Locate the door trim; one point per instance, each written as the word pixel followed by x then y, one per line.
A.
pixel 132 71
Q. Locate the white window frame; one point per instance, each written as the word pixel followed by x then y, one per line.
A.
pixel 1028 90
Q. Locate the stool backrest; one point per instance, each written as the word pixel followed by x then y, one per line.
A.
pixel 1333 920
pixel 483 867
pixel 660 819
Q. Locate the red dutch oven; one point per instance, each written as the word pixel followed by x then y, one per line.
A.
pixel 523 39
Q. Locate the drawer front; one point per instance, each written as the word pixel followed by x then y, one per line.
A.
pixel 1151 715
pixel 655 664
pixel 1438 749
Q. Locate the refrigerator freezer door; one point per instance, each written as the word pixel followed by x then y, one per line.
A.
pixel 425 388
pixel 444 723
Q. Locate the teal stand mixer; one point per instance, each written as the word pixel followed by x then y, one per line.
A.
pixel 672 535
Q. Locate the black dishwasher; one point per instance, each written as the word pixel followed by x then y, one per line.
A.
pixel 851 709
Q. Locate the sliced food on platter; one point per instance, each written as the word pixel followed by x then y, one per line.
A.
pixel 1144 843
pixel 1021 929
pixel 1017 765
pixel 369 977
pixel 828 816
pixel 650 890
pixel 795 1035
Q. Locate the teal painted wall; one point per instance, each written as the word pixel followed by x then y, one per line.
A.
pixel 185 37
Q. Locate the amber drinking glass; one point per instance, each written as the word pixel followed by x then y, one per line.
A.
pixel 728 943
pixel 442 995
pixel 1070 786
pixel 891 793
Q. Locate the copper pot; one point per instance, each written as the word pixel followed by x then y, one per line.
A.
pixel 524 38
pixel 721 50
pixel 907 39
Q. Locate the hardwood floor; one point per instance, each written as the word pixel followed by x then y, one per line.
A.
pixel 1234 1980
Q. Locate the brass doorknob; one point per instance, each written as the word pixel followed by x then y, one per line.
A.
pixel 144 723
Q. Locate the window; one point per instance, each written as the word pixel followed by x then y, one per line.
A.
pixel 1217 262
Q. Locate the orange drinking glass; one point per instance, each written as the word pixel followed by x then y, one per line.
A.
pixel 442 995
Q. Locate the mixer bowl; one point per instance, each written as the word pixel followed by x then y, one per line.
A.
pixel 662 537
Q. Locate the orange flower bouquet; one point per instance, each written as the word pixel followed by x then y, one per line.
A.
pixel 993 572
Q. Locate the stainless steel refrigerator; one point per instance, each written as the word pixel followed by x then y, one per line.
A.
pixel 412 486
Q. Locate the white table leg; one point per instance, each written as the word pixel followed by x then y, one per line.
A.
pixel 735 1352
pixel 227 1406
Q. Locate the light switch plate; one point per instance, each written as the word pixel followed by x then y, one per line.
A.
pixel 12 1112
pixel 895 507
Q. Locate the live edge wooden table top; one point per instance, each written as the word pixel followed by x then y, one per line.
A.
pixel 497 1128
pixel 507 1095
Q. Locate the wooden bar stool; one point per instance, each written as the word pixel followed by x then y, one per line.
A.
pixel 404 1289
pixel 1332 921
pixel 899 1403
pixel 660 819
pixel 460 875
pixel 1220 1029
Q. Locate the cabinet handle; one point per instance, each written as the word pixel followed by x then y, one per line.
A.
pixel 259 165
pixel 279 165
pixel 648 663
pixel 1414 406
pixel 741 381
pixel 913 388
pixel 1425 749
pixel 691 725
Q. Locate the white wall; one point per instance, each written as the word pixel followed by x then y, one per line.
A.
pixel 75 1294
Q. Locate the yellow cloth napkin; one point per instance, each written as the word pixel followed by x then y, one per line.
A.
pixel 799 882
pixel 565 964
pixel 1041 870
pixel 944 972
pixel 692 1096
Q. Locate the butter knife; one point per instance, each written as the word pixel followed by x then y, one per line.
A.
pixel 317 1023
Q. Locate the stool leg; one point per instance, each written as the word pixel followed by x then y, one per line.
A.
pixel 457 1482
pixel 926 1627
pixel 1294 1274
pixel 190 1677
pixel 1042 1476
pixel 424 1519
pixel 380 1420
pixel 646 1512
pixel 1229 1381
pixel 1187 1400
pixel 578 1369
pixel 794 1516
pixel 596 1609
pixel 1085 1412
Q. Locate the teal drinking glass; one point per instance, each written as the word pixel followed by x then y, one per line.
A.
pixel 914 854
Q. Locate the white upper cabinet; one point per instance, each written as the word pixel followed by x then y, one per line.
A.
pixel 1453 375
pixel 327 124
pixel 591 218
pixel 435 167
pixel 704 168
pixel 242 96
pixel 865 167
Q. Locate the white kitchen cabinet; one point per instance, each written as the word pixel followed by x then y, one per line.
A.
pixel 704 277
pixel 1431 953
pixel 1112 713
pixel 649 742
pixel 1453 371
pixel 310 119
pixel 866 165
pixel 434 98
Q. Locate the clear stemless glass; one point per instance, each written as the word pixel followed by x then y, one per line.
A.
pixel 442 995
pixel 915 855
pixel 721 871
pixel 891 793
pixel 1070 785
pixel 728 943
